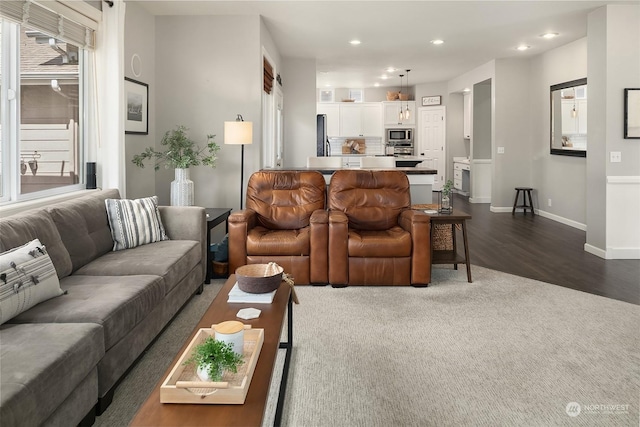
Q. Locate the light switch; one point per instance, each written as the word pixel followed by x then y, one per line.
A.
pixel 500 150
pixel 615 157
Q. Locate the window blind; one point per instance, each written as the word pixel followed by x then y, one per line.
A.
pixel 268 76
pixel 54 18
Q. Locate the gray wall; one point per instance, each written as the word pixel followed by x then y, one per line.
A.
pixel 205 77
pixel 482 120
pixel 614 64
pixel 299 88
pixel 140 39
pixel 559 178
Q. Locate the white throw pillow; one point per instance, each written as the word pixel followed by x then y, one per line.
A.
pixel 27 277
pixel 134 222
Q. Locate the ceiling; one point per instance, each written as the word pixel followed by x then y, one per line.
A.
pixel 398 33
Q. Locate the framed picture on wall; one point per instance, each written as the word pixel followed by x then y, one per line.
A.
pixel 136 98
pixel 632 113
pixel 431 100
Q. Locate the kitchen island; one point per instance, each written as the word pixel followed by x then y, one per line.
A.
pixel 420 180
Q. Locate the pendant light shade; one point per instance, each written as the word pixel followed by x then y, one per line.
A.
pixel 400 114
pixel 407 113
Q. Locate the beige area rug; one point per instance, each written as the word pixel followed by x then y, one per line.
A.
pixel 503 350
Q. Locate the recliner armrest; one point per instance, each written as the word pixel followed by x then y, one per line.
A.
pixel 418 224
pixel 338 248
pixel 240 223
pixel 319 247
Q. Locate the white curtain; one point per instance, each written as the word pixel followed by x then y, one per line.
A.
pixel 109 90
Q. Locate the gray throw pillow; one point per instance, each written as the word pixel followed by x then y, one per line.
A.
pixel 134 222
pixel 27 277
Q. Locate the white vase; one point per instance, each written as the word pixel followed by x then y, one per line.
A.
pixel 182 189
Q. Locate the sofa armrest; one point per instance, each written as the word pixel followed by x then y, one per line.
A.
pixel 187 223
pixel 319 242
pixel 338 248
pixel 418 224
pixel 240 223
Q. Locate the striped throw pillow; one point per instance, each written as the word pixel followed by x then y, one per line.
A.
pixel 134 222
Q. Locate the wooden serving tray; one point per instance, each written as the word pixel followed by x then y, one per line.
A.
pixel 182 385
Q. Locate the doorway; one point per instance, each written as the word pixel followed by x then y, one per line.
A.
pixel 431 141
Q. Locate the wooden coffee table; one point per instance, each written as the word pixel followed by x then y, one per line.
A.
pixel 154 413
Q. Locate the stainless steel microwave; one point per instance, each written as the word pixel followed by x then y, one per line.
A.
pixel 399 135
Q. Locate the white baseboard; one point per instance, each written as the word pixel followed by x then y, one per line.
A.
pixel 623 253
pixel 479 199
pixel 595 251
pixel 563 220
pixel 498 209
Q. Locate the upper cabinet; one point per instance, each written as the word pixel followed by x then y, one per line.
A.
pixel 332 111
pixel 466 116
pixel 352 119
pixel 392 112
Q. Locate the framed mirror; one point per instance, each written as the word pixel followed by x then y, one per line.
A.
pixel 569 118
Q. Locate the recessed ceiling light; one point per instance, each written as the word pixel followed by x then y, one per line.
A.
pixel 523 47
pixel 549 35
pixel 384 77
pixel 466 89
pixel 391 70
pixel 355 42
pixel 327 85
pixel 376 84
pixel 437 41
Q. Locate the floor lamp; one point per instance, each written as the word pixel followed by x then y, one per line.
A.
pixel 239 133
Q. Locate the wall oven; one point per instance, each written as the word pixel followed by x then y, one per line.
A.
pixel 399 142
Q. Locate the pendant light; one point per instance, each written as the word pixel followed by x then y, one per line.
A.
pixel 400 115
pixel 407 113
pixel 574 113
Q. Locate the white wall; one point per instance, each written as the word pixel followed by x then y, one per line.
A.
pixel 140 39
pixel 299 87
pixel 205 77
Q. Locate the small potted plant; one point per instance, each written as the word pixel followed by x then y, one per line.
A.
pixel 180 153
pixel 212 358
pixel 446 205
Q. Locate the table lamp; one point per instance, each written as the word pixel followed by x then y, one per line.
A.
pixel 239 133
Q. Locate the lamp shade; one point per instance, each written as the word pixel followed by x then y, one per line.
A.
pixel 238 133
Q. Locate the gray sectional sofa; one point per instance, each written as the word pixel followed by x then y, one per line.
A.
pixel 61 359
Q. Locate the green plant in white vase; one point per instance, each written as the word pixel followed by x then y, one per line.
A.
pixel 445 206
pixel 180 152
pixel 213 358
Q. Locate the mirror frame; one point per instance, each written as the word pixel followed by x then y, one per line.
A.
pixel 559 86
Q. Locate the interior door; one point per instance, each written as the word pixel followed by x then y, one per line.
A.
pixel 431 141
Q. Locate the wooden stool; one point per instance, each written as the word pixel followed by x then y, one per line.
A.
pixel 526 191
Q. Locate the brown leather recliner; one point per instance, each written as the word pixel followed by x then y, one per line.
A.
pixel 285 221
pixel 374 235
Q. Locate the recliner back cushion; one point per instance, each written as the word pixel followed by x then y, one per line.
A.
pixel 84 226
pixel 372 200
pixel 285 200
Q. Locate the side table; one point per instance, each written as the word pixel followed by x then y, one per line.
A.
pixel 215 217
pixel 452 256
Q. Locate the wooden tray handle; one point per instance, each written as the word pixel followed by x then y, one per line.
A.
pixel 199 384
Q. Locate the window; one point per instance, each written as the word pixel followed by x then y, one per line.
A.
pixel 356 95
pixel 43 102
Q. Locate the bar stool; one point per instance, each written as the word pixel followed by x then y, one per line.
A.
pixel 526 191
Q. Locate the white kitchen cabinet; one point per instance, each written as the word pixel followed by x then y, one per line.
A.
pixel 392 113
pixel 361 119
pixel 332 111
pixel 466 116
pixel 461 176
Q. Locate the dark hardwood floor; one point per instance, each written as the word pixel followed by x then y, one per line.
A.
pixel 545 250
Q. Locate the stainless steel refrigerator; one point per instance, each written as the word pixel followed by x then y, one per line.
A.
pixel 322 144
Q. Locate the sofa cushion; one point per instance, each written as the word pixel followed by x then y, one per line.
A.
pixel 41 366
pixel 394 242
pixel 169 259
pixel 262 241
pixel 27 277
pixel 16 230
pixel 84 227
pixel 134 222
pixel 118 303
